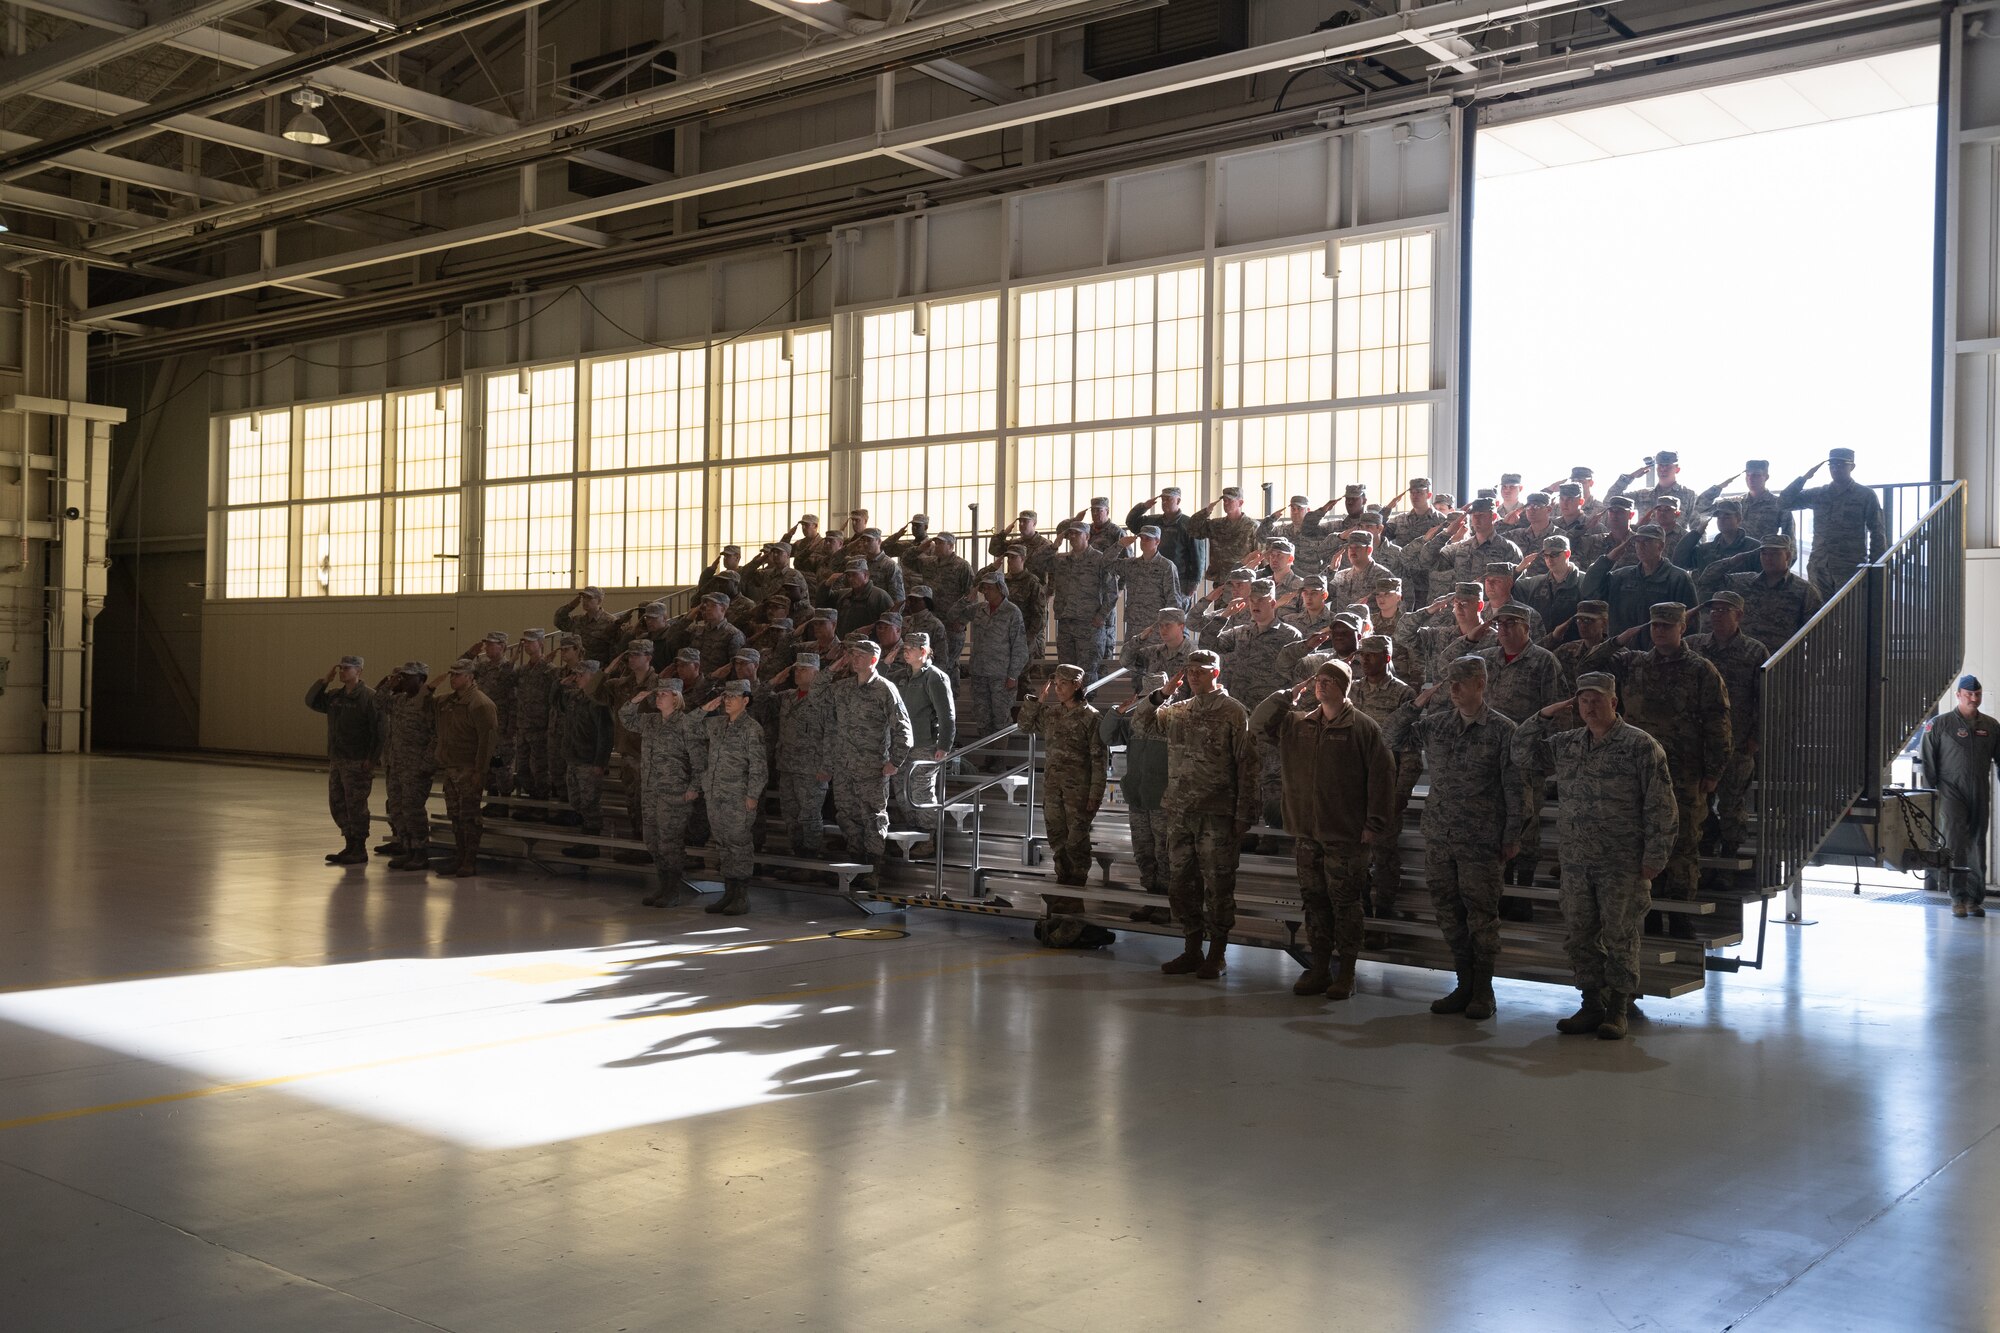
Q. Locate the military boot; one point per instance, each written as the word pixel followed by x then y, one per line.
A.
pixel 668 894
pixel 1586 1018
pixel 735 898
pixel 1215 964
pixel 333 859
pixel 411 858
pixel 354 854
pixel 1612 1026
pixel 1315 979
pixel 1461 994
pixel 1342 985
pixel 1480 1006
pixel 468 865
pixel 1189 960
pixel 391 848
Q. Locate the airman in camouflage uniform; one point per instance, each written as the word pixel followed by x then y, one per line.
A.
pixel 1073 774
pixel 1161 649
pixel 493 672
pixel 1666 485
pixel 772 572
pixel 355 728
pixel 1522 678
pixel 1232 537
pixel 1739 659
pixel 1211 803
pixel 999 655
pixel 534 683
pixel 1144 786
pixel 732 782
pixel 569 654
pixel 1082 599
pixel 918 618
pixel 1763 516
pixel 714 637
pixel 586 740
pixel 631 674
pixel 871 740
pixel 950 579
pixel 409 753
pixel 1776 602
pixel 1253 657
pixel 1593 624
pixel 1471 823
pixel 1615 826
pixel 1418 519
pixel 673 755
pixel 1150 580
pixel 1380 693
pixel 1461 557
pixel 805 756
pixel 1027 592
pixel 1678 699
pixel 927 698
pixel 584 616
pixel 467 727
pixel 1847 522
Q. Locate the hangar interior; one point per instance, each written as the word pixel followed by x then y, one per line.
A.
pixel 330 327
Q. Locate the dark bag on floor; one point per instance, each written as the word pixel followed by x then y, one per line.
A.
pixel 1071 932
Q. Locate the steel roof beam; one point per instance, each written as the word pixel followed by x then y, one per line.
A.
pixel 201 127
pixel 832 16
pixel 58 60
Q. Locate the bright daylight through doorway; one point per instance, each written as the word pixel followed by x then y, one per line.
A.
pixel 1741 271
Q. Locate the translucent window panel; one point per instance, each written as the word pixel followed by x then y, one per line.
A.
pixel 644 530
pixel 758 502
pixel 429 442
pixel 1293 452
pixel 256 543
pixel 527 536
pixel 1384 323
pixel 1056 475
pixel 1109 350
pixel 260 458
pixel 943 383
pixel 343 448
pixel 1277 329
pixel 424 533
pixel 648 411
pixel 1382 447
pixel 938 480
pixel 773 406
pixel 531 434
pixel 340 549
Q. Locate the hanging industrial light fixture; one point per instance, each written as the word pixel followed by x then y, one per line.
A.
pixel 306 127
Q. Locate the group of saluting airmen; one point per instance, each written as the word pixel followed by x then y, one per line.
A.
pixel 1296 676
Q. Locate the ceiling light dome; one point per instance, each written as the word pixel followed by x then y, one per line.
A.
pixel 306 127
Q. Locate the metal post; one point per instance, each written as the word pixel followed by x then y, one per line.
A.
pixel 1028 839
pixel 1875 663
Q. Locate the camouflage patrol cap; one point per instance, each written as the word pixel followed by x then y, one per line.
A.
pixel 1650 532
pixel 1483 505
pixel 1017 553
pixel 568 640
pixel 1510 479
pixel 462 667
pixel 1784 540
pixel 920 520
pixel 1762 465
pixel 1370 516
pixel 1348 620
pixel 640 646
pixel 1569 490
pixel 1356 489
pixel 1499 569
pixel 1444 498
pixel 593 591
pixel 992 576
pixel 588 664
pixel 1070 672
pixel 691 656
pixel 1464 668
pixel 654 610
pixel 1470 591
pixel 413 668
pixel 1514 611
pixel 1314 583
pixel 1337 669
pixel 890 618
pixel 352 661
pixel 1599 682
pixel 1375 643
pixel 806 662
pixel 1733 600
pixel 1029 513
pixel 1594 610
pixel 739 688
pixel 1667 458
pixel 866 647
pixel 1301 502
pixel 1420 483
pixel 874 533
pixel 1672 502
pixel 1553 543
pixel 1727 507
pixel 1203 657
pixel 1242 574
pixel 1172 615
pixel 1277 545
pixel 778 548
pixel 1623 504
pixel 1388 583
pixel 1359 537
pixel 1150 530
pixel 1100 502
pixel 917 639
pixel 808 518
pixel 948 538
pixel 780 622
pixel 1538 498
pixel 1077 526
pixel 779 598
pixel 918 591
pixel 1581 474
pixel 716 598
pixel 1263 588
pixel 857 567
pixel 495 636
pixel 670 685
pixel 1488 493
pixel 532 636
pixel 1174 491
pixel 1668 613
pixel 732 549
pixel 1232 492
pixel 750 655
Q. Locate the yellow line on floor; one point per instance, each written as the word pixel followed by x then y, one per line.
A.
pixel 279 1080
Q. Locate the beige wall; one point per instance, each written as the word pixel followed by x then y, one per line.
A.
pixel 257 658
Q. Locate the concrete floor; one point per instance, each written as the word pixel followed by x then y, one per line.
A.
pixel 240 1089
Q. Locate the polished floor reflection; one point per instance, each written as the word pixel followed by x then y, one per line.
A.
pixel 240 1089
